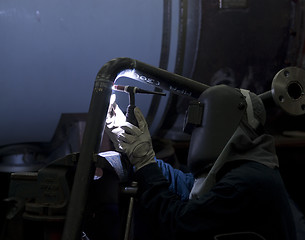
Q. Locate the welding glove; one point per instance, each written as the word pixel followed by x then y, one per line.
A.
pixel 115 118
pixel 136 142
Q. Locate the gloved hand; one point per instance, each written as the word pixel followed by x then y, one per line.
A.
pixel 115 118
pixel 135 142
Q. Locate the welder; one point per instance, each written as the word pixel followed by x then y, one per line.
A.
pixel 235 187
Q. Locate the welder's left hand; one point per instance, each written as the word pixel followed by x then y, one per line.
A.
pixel 115 119
pixel 136 143
pixel 115 116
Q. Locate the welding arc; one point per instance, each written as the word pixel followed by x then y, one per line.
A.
pixel 130 89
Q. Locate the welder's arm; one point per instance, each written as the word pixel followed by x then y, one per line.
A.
pixel 135 142
pixel 181 183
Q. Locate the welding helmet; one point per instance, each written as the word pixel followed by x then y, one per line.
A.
pixel 213 119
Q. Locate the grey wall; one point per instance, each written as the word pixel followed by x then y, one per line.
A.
pixel 51 51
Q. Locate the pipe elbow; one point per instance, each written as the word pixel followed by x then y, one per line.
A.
pixel 111 69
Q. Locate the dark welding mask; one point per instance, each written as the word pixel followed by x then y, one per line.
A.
pixel 213 119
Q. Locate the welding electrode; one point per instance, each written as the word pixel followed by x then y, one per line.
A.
pixel 130 117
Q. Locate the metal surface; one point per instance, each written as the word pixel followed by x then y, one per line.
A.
pixel 247 37
pixel 44 195
pixel 288 90
pixel 58 47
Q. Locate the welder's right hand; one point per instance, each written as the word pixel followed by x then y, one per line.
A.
pixel 115 119
pixel 136 142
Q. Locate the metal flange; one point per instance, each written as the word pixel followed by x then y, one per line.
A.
pixel 288 90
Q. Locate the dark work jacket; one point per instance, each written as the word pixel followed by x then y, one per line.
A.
pixel 248 197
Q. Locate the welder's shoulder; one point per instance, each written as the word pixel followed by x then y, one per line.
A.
pixel 250 175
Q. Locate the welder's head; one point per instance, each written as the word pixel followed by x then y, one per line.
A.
pixel 215 117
